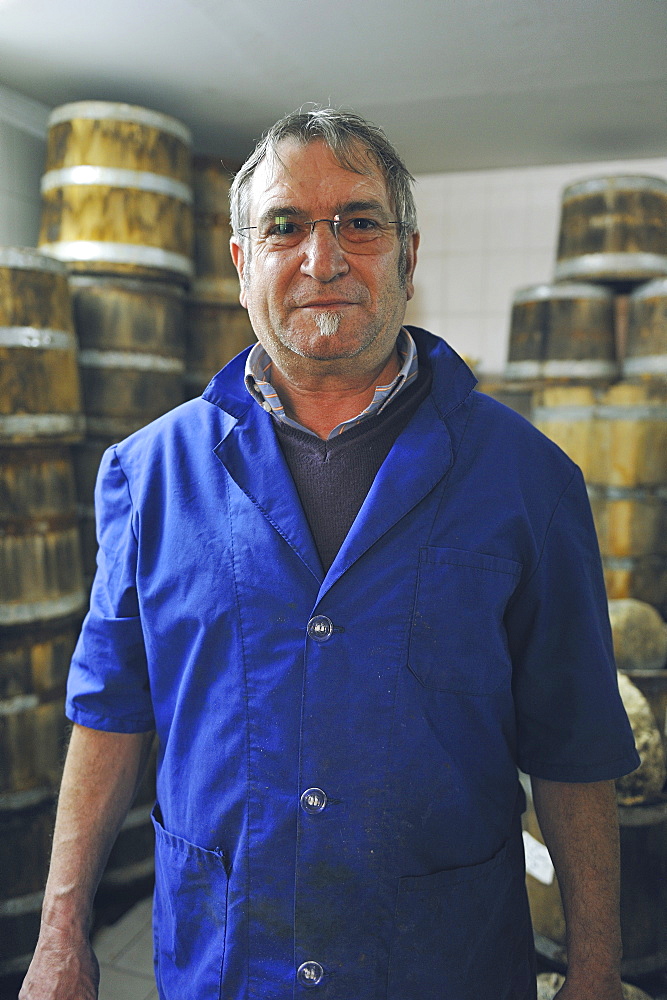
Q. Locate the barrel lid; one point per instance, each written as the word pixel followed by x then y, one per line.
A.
pixel 652 288
pixel 30 259
pixel 562 290
pixel 121 112
pixel 616 182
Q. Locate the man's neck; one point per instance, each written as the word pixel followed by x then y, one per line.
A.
pixel 321 404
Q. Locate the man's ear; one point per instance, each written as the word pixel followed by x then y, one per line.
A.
pixel 411 263
pixel 238 256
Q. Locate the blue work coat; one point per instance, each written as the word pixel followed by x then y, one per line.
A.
pixel 338 803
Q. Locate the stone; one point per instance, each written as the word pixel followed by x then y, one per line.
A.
pixel 647 781
pixel 639 633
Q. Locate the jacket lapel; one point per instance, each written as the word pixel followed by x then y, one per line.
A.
pixel 419 458
pixel 251 455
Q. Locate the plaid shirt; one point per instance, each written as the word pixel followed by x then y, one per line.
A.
pixel 258 374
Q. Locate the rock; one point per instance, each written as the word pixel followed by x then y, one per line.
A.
pixel 549 983
pixel 640 635
pixel 647 781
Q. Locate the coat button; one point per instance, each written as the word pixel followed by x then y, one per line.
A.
pixel 320 628
pixel 310 973
pixel 313 800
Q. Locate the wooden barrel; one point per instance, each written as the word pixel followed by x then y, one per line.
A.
pixel 643 891
pixel 40 397
pixel 40 556
pixel 216 332
pixel 116 194
pixel 215 275
pixel 26 827
pixel 646 346
pixel 618 437
pixel 132 343
pixel 518 395
pixel 131 350
pixel 562 333
pixel 613 229
pixel 34 660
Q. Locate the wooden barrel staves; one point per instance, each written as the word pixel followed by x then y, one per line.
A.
pixel 562 333
pixel 26 827
pixel 131 350
pixel 618 437
pixel 646 345
pixel 40 399
pixel 41 606
pixel 116 194
pixel 613 230
pixel 216 332
pixel 40 555
pixel 218 326
pixel 215 274
pixel 132 342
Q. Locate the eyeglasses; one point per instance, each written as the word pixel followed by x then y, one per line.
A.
pixel 354 233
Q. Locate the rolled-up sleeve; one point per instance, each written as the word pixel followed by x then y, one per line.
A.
pixel 108 686
pixel 571 723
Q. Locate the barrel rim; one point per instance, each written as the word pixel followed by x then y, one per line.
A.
pixel 126 283
pixel 89 175
pixel 110 253
pixel 30 259
pixel 648 814
pixel 625 266
pixel 561 290
pixel 654 287
pixel 119 111
pixel 620 182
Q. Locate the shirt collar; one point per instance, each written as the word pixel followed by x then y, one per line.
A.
pixel 258 374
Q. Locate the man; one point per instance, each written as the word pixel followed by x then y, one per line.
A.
pixel 351 596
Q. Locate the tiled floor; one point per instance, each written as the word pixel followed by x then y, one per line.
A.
pixel 125 954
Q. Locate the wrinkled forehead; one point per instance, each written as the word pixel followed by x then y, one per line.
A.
pixel 311 174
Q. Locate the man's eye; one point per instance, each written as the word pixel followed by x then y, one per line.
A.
pixel 282 227
pixel 362 224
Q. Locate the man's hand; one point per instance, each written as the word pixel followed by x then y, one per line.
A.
pixel 61 969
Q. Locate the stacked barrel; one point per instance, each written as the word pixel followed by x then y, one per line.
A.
pixel 589 352
pixel 614 238
pixel 117 210
pixel 117 213
pixel 42 594
pixel 218 326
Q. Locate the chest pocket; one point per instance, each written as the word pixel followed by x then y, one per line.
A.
pixel 457 637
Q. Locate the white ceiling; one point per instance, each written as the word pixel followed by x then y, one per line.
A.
pixel 457 84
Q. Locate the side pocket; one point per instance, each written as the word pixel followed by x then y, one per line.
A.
pixel 189 916
pixel 465 933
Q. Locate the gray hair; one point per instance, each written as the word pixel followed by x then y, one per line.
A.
pixel 347 135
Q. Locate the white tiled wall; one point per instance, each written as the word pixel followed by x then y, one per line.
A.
pixel 484 234
pixel 23 124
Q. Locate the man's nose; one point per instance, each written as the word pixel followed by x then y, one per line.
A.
pixel 323 258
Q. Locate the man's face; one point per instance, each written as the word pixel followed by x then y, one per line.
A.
pixel 314 305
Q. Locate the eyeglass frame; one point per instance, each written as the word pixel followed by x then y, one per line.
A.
pixel 334 223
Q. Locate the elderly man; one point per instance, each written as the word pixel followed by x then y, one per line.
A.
pixel 352 596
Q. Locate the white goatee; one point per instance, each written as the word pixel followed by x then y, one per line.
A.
pixel 328 323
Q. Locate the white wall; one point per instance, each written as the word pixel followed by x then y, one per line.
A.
pixel 484 235
pixel 23 127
